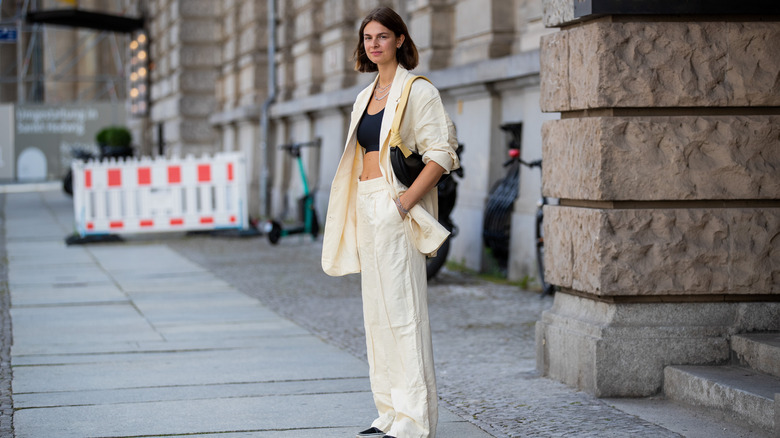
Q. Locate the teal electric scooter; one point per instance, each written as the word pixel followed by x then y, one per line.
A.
pixel 308 220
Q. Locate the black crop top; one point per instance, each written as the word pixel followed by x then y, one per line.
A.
pixel 368 130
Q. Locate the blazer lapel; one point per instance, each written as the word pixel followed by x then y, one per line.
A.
pixel 360 107
pixel 346 163
pixel 401 76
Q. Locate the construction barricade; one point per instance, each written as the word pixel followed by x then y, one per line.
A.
pixel 158 195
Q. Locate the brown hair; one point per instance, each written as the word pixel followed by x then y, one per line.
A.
pixel 406 55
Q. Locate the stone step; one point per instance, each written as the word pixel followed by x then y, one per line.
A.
pixel 747 395
pixel 759 351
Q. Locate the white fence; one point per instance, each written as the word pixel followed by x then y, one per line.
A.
pixel 157 195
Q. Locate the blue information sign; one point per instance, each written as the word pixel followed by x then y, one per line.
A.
pixel 7 34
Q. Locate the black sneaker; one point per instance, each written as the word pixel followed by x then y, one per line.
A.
pixel 373 432
pixel 388 436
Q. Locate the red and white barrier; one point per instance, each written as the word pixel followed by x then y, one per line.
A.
pixel 146 195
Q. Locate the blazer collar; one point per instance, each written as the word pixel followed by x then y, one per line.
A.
pixel 401 76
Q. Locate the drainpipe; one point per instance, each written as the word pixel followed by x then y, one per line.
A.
pixel 21 11
pixel 265 152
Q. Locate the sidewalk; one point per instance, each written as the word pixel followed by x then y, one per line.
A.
pixel 136 340
pixel 220 337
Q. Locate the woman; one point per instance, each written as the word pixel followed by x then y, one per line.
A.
pixel 382 229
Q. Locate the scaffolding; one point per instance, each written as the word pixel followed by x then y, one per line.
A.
pixel 38 65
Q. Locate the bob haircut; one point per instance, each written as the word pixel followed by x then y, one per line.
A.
pixel 406 55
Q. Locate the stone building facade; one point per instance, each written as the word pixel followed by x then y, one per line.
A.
pixel 185 49
pixel 210 86
pixel 666 160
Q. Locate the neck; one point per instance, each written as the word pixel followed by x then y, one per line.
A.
pixel 386 73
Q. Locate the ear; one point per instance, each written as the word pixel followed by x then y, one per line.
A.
pixel 400 41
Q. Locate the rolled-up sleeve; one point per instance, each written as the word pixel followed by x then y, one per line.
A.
pixel 434 132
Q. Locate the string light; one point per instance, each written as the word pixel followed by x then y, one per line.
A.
pixel 139 69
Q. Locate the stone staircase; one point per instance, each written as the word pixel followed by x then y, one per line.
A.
pixel 747 390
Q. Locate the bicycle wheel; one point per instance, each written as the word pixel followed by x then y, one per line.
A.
pixel 67 183
pixel 434 264
pixel 274 230
pixel 547 288
pixel 497 219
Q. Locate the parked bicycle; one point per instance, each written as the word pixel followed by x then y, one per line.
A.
pixel 497 220
pixel 498 210
pixel 448 193
pixel 547 288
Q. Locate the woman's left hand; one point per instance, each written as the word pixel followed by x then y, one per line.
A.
pixel 401 210
pixel 426 181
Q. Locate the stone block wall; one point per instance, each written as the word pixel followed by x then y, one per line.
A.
pixel 338 44
pixel 432 28
pixel 657 158
pixel 670 251
pixel 243 61
pixel 318 37
pixel 483 29
pixel 662 64
pixel 306 48
pixel 652 112
pixel 666 161
pixel 184 39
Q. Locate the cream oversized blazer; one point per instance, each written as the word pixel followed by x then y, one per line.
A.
pixel 427 129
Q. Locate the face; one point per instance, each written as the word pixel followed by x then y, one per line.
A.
pixel 380 43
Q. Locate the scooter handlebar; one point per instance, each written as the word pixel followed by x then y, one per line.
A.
pixel 295 148
pixel 532 164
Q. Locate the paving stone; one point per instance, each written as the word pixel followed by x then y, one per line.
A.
pixel 67 293
pixel 191 392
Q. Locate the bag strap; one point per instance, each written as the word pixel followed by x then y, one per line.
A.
pixel 395 130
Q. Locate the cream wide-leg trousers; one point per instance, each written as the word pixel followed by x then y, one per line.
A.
pixel 395 312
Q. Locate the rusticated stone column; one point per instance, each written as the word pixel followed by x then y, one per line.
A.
pixel 666 161
pixel 307 48
pixel 432 26
pixel 483 30
pixel 184 49
pixel 338 44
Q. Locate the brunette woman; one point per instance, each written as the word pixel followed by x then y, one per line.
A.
pixel 382 229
